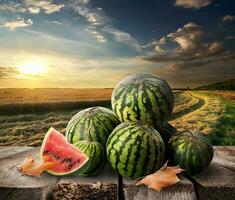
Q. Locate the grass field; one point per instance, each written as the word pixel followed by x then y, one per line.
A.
pixel 26 114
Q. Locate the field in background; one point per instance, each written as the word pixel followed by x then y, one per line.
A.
pixel 21 123
pixel 12 95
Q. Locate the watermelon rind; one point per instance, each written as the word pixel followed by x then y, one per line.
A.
pixel 97 157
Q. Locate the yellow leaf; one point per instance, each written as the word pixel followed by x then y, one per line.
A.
pixel 31 168
pixel 164 177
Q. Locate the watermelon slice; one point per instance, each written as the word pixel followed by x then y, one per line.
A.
pixel 58 157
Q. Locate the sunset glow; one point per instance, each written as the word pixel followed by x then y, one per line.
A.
pixel 32 68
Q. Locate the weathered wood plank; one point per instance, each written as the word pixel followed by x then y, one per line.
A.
pixel 215 182
pixel 224 152
pixel 15 186
pixel 225 156
pixel 182 190
pixel 11 150
pixel 102 186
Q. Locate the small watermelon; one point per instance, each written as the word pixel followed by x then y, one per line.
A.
pixel 96 153
pixel 191 150
pixel 166 130
pixel 94 123
pixel 135 149
pixel 66 158
pixel 143 97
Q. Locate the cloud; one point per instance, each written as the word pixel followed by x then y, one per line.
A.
pixel 18 23
pixel 122 37
pixel 7 72
pixel 101 24
pixel 189 45
pixel 12 7
pixel 46 5
pixel 54 22
pixel 31 6
pixel 228 18
pixel 195 4
pixel 100 38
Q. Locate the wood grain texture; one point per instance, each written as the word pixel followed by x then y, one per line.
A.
pixel 103 186
pixel 225 156
pixel 11 150
pixel 215 182
pixel 183 190
pixel 13 185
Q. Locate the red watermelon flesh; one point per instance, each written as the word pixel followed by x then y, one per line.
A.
pixel 58 157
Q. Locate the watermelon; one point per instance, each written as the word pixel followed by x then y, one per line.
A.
pixel 66 158
pixel 94 123
pixel 96 153
pixel 143 97
pixel 166 130
pixel 135 149
pixel 191 150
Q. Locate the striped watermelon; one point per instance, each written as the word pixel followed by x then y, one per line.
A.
pixel 191 150
pixel 143 97
pixel 96 153
pixel 95 122
pixel 135 149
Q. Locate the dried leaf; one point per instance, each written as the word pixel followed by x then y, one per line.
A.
pixel 164 177
pixel 31 168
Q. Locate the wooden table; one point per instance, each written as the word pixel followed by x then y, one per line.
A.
pixel 216 182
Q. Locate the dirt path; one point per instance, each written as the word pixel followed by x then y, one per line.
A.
pixel 188 107
pixel 203 117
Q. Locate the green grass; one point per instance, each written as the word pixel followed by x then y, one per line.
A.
pixel 223 132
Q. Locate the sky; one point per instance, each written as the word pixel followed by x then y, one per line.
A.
pixel 96 43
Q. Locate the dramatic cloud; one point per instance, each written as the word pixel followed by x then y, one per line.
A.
pixel 18 23
pixel 195 4
pixel 228 18
pixel 189 45
pixel 6 72
pixel 31 6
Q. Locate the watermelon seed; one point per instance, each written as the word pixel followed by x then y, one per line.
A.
pixel 78 161
pixel 69 160
pixel 45 152
pixel 70 166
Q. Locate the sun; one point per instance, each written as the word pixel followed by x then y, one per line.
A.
pixel 32 67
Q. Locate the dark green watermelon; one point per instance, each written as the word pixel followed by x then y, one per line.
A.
pixel 135 149
pixel 93 124
pixel 143 97
pixel 191 150
pixel 166 130
pixel 97 157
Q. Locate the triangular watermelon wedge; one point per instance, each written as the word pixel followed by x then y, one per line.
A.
pixel 58 157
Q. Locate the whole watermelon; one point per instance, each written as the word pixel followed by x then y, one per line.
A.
pixel 166 130
pixel 143 97
pixel 135 149
pixel 94 124
pixel 191 150
pixel 97 157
